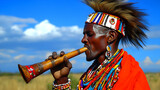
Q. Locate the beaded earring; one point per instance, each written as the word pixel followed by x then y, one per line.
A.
pixel 108 52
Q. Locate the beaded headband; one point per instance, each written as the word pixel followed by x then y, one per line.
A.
pixel 107 20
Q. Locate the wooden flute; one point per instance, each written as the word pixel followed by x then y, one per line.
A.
pixel 29 72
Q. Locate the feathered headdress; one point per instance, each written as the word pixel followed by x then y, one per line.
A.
pixel 132 17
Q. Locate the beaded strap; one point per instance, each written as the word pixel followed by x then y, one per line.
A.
pixel 65 86
pixel 106 74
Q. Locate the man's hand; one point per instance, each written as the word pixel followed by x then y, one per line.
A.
pixel 61 71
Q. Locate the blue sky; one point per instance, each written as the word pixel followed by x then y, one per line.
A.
pixel 31 29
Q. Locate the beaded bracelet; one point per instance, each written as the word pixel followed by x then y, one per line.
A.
pixel 65 86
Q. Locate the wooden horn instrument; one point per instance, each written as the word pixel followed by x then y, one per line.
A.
pixel 29 72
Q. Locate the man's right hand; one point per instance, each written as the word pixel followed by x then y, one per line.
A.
pixel 61 71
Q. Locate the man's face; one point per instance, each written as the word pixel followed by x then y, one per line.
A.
pixel 95 40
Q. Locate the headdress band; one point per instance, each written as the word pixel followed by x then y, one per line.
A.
pixel 107 20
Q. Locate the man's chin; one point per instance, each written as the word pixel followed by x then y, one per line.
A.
pixel 89 58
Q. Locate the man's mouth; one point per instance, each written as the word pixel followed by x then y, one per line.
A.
pixel 87 46
pixel 88 51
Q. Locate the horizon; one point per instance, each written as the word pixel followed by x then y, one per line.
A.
pixel 31 30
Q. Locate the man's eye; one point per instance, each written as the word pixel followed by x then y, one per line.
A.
pixel 89 34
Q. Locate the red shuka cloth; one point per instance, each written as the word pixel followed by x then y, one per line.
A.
pixel 131 76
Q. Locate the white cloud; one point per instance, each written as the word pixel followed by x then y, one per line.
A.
pixel 5 61
pixel 73 61
pixel 84 65
pixel 48 54
pixel 2 32
pixel 147 61
pixel 154 32
pixel 149 66
pixel 158 62
pixel 16 29
pixel 5 39
pixel 12 27
pixel 152 47
pixel 43 30
pixel 31 57
pixel 72 29
pixel 4 55
pixel 7 50
pixel 12 19
pixel 83 55
pixel 19 57
pixel 11 51
pixel 24 57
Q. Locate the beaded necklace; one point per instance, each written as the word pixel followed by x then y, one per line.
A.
pixel 105 76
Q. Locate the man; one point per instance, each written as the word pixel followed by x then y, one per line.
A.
pixel 112 68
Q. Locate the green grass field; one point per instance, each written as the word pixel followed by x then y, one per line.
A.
pixel 44 82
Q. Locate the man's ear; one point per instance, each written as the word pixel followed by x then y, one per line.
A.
pixel 113 35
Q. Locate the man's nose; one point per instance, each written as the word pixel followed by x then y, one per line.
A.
pixel 84 39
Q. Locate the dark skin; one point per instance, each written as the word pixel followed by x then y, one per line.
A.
pixel 95 38
pixel 61 71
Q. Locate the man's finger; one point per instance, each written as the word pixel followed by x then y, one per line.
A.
pixel 54 55
pixel 67 63
pixel 62 53
pixel 50 57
